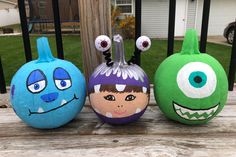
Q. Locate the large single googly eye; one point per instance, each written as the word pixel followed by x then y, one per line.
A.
pixel 130 97
pixel 63 84
pixel 102 43
pixel 37 86
pixel 143 43
pixel 110 98
pixel 197 80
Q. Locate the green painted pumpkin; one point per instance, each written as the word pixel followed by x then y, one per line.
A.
pixel 190 87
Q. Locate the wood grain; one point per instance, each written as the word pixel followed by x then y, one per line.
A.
pixel 151 136
pixel 95 19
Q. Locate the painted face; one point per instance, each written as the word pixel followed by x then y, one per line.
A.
pixel 47 94
pixel 198 85
pixel 119 104
pixel 119 92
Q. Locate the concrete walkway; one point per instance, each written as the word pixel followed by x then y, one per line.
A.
pixel 218 40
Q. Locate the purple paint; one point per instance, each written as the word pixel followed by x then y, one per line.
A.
pixel 12 91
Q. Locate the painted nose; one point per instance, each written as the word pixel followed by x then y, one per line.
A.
pixel 49 97
pixel 120 106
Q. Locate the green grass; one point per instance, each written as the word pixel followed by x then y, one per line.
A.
pixel 12 53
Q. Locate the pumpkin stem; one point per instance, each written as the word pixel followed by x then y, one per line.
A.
pixel 119 49
pixel 190 44
pixel 44 51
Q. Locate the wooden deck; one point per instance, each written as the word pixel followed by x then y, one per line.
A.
pixel 152 136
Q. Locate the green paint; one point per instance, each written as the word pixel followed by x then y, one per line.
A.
pixel 173 102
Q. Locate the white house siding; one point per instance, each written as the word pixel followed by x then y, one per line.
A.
pixel 155 18
pixel 9 14
pixel 222 12
pixel 191 14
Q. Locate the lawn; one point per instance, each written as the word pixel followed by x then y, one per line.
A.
pixel 12 53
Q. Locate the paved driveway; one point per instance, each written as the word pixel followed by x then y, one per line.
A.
pixel 218 40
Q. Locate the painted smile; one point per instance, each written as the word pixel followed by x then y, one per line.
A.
pixel 194 114
pixel 63 103
pixel 119 112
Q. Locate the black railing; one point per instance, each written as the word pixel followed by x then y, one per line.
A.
pixel 2 79
pixel 232 66
pixel 138 6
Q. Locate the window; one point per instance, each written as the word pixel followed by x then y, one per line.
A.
pixel 42 6
pixel 125 6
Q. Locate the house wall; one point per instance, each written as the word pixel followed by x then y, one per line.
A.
pixel 9 14
pixel 155 18
pixel 191 14
pixel 222 12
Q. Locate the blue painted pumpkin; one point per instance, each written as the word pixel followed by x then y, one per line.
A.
pixel 47 92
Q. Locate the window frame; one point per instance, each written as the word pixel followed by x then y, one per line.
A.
pixel 127 4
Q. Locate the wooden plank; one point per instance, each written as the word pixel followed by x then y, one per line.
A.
pixel 117 146
pixel 152 136
pixel 95 19
pixel 152 123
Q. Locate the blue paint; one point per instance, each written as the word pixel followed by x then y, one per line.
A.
pixel 49 97
pixel 61 74
pixel 35 76
pixel 197 79
pixel 48 107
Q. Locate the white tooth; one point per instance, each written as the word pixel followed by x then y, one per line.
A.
pixel 200 112
pixel 176 107
pixel 40 110
pixel 178 112
pixel 97 88
pixel 215 108
pixel 184 110
pixel 193 118
pixel 201 118
pixel 185 116
pixel 109 115
pixel 120 87
pixel 63 102
pixel 96 110
pixel 144 90
pixel 138 110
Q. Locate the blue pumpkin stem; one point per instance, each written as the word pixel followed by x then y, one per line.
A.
pixel 190 44
pixel 44 51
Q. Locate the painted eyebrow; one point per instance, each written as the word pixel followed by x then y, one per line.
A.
pixel 61 74
pixel 35 76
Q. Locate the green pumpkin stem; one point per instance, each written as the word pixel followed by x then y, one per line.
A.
pixel 44 51
pixel 190 44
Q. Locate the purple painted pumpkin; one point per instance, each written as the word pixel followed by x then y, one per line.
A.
pixel 119 92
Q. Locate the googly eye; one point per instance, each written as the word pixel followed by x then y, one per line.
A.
pixel 143 43
pixel 102 43
pixel 197 80
pixel 37 86
pixel 63 84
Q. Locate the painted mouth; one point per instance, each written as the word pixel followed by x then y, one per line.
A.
pixel 119 112
pixel 63 103
pixel 194 114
